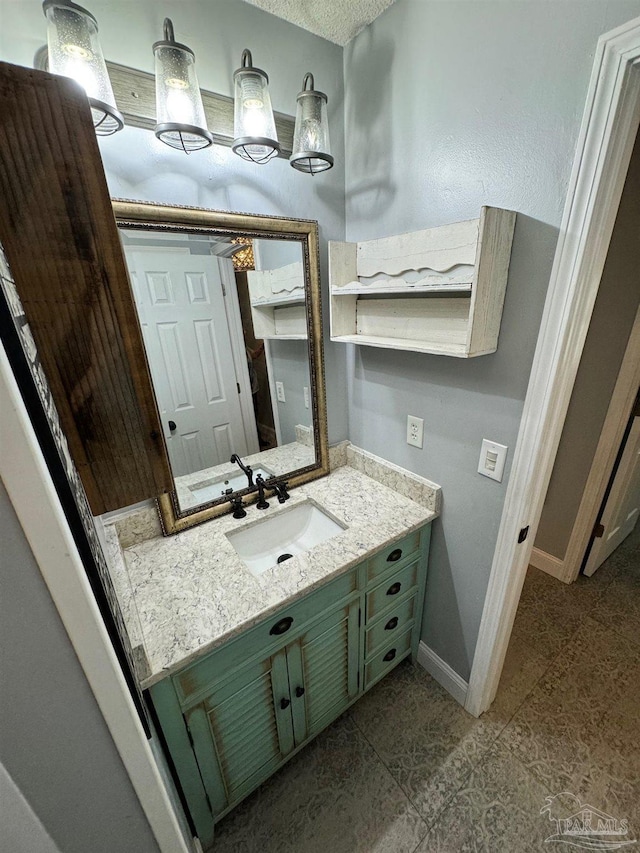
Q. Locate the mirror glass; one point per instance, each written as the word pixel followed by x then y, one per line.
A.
pixel 224 319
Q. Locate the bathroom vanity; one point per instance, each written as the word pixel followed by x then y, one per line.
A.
pixel 246 668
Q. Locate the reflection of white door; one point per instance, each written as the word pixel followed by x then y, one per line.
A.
pixel 184 324
pixel 623 504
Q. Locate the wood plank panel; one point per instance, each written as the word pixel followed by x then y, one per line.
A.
pixel 60 237
pixel 434 320
pixel 437 249
pixel 135 94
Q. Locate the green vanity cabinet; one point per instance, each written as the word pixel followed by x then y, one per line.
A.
pixel 237 714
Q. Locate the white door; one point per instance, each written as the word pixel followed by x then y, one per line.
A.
pixel 623 504
pixel 184 324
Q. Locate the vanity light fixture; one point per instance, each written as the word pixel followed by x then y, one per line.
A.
pixel 180 118
pixel 311 146
pixel 74 51
pixel 254 126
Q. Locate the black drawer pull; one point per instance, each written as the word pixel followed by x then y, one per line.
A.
pixel 394 589
pixel 299 692
pixel 284 703
pixel 394 556
pixel 282 626
pixel 391 624
pixel 390 655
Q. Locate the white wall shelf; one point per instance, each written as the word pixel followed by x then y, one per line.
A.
pixel 278 304
pixel 438 291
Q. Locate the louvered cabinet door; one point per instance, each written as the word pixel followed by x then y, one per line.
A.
pixel 242 731
pixel 323 671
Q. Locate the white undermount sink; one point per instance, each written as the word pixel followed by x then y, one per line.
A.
pixel 283 535
pixel 211 489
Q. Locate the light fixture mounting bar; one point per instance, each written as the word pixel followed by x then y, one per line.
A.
pixel 135 94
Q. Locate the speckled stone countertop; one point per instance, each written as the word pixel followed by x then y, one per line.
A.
pixel 191 592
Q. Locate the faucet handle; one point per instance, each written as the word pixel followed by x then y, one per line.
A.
pixel 238 510
pixel 281 491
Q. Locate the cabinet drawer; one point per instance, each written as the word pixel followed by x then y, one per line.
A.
pixel 386 659
pixel 275 632
pixel 391 589
pixel 391 625
pixel 397 553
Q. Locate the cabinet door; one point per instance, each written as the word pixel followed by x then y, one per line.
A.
pixel 323 670
pixel 242 731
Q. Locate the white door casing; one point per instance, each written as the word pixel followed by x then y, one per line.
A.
pixel 182 312
pixel 623 504
pixel 606 139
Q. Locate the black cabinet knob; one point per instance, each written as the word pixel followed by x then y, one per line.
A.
pixel 394 556
pixel 284 703
pixel 391 624
pixel 394 589
pixel 390 655
pixel 282 626
pixel 299 692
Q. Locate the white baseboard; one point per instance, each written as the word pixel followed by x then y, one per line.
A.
pixel 442 672
pixel 548 563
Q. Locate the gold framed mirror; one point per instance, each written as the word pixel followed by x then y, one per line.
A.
pixel 229 311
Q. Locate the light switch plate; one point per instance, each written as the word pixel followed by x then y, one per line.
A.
pixel 492 459
pixel 280 392
pixel 415 431
pixel 306 397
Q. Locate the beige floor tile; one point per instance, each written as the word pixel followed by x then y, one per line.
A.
pixel 553 733
pixel 582 594
pixel 334 797
pixel 429 742
pixel 619 606
pixel 497 809
pixel 546 621
pixel 523 668
pixel 610 778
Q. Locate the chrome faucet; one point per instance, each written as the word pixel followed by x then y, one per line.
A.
pixel 235 459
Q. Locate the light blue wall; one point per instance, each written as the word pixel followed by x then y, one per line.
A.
pixel 449 106
pixel 54 742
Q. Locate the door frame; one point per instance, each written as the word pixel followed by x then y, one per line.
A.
pixel 603 152
pixel 238 353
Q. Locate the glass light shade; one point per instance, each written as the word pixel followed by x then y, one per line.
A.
pixel 180 118
pixel 311 146
pixel 254 127
pixel 74 51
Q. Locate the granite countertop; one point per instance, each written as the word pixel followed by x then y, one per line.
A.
pixel 191 592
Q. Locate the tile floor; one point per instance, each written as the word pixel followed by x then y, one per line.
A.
pixel 407 770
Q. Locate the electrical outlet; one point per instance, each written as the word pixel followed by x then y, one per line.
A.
pixel 415 430
pixel 492 459
pixel 280 392
pixel 306 397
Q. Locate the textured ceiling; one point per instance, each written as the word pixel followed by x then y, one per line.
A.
pixel 336 20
